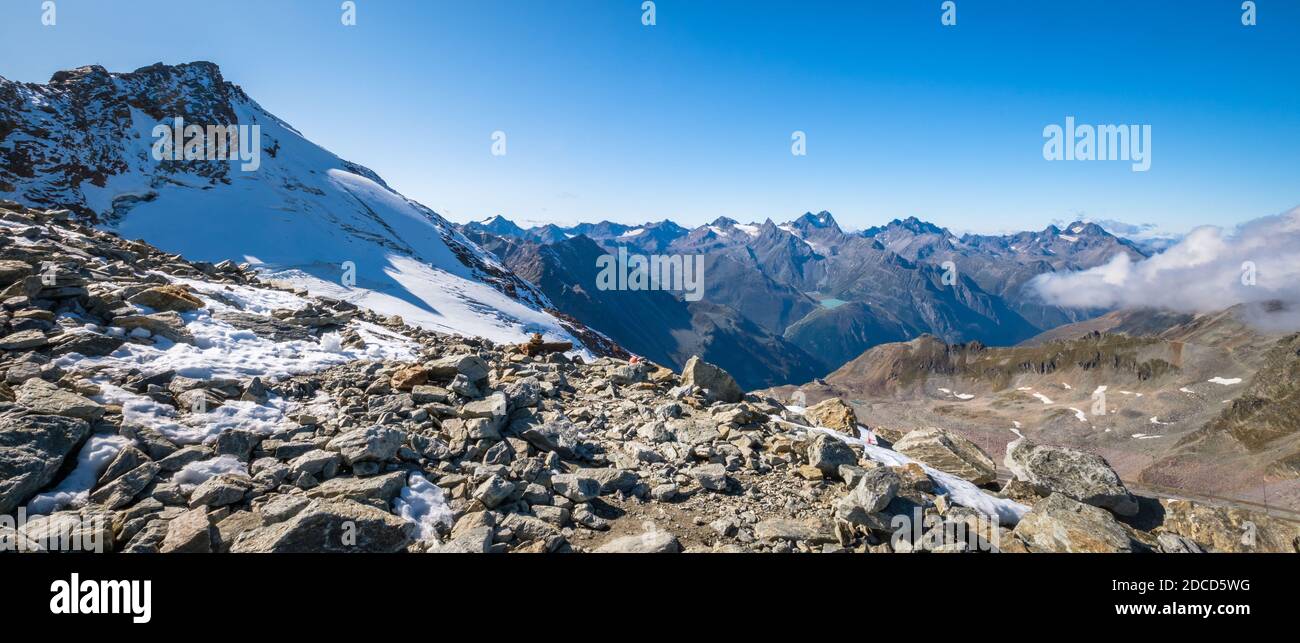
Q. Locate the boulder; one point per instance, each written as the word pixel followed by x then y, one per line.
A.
pixel 121 491
pixel 47 399
pixel 710 476
pixel 168 325
pixel 381 488
pixel 950 453
pixel 718 385
pixel 1228 529
pixel 575 487
pixel 189 533
pixel 24 340
pixel 473 367
pixel 369 444
pixel 167 298
pixel 1061 524
pixel 655 541
pixel 32 451
pixel 330 526
pixel 873 493
pixel 559 437
pixel 1077 474
pixel 221 490
pixel 834 414
pixel 409 378
pixel 827 454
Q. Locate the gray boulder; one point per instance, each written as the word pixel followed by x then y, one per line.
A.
pixel 718 384
pixel 1077 474
pixel 330 526
pixel 45 398
pixel 950 453
pixel 370 444
pixel 874 492
pixel 32 451
pixel 1063 525
pixel 828 453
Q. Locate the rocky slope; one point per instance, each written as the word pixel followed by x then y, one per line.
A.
pixel 1192 404
pixel 155 404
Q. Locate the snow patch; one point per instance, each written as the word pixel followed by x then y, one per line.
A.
pixel 421 503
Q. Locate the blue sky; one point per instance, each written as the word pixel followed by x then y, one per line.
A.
pixel 691 119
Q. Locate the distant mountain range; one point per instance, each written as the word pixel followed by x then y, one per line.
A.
pixel 804 297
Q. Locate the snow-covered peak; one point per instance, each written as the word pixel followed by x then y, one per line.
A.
pixel 86 141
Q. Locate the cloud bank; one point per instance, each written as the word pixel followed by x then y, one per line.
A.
pixel 1210 269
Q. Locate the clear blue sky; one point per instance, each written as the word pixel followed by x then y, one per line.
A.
pixel 691 118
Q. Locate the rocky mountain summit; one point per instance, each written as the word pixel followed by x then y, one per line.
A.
pixel 156 404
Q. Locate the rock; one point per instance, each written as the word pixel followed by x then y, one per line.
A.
pixel 1228 529
pixel 233 526
pixel 370 444
pixel 494 491
pixel 711 476
pixel 1077 474
pixel 381 488
pixel 558 437
pixel 189 533
pixel 874 492
pixel 181 457
pixel 238 443
pixel 87 344
pixel 199 400
pixel 33 450
pixel 473 367
pixel 45 398
pixel 613 479
pixel 127 458
pixel 1061 524
pixel 330 526
pixel 221 490
pixel 23 340
pixel 1175 544
pixel 120 492
pixel 409 378
pixel 950 453
pixel 167 298
pixel 529 528
pixel 430 395
pixel 654 541
pixel 11 271
pixel 785 529
pixel 664 492
pixel 718 384
pixel 317 463
pixel 280 507
pixel 168 325
pixel 575 487
pixel 827 454
pixel 834 414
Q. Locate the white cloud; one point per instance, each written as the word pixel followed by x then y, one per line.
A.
pixel 1203 272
